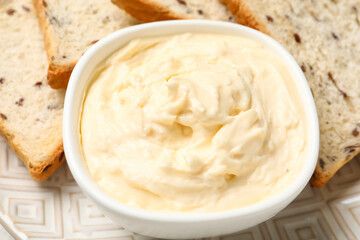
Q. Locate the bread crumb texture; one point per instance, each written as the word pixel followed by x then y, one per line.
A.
pixel 30 111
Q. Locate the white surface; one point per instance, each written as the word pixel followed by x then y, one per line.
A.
pixel 4 235
pixel 180 225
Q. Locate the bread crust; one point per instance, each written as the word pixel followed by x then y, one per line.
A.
pixel 245 16
pixel 150 11
pixel 147 10
pixel 319 179
pixel 41 170
pixel 58 75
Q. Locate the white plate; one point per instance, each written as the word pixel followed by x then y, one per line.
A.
pixel 57 209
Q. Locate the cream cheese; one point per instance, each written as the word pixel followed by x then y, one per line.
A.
pixel 193 122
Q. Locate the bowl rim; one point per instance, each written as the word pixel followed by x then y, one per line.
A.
pixel 90 188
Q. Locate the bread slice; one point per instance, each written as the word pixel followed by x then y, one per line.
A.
pixel 323 36
pixel 30 111
pixel 70 27
pixel 156 10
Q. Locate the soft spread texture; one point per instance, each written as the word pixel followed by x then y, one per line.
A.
pixel 193 122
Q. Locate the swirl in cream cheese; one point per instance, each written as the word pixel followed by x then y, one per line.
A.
pixel 193 122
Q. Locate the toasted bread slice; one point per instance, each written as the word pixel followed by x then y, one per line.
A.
pixel 30 111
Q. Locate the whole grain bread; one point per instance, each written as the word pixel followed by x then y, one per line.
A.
pixel 30 111
pixel 323 36
pixel 156 10
pixel 71 27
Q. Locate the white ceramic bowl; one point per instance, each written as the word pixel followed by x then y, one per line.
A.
pixel 186 225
